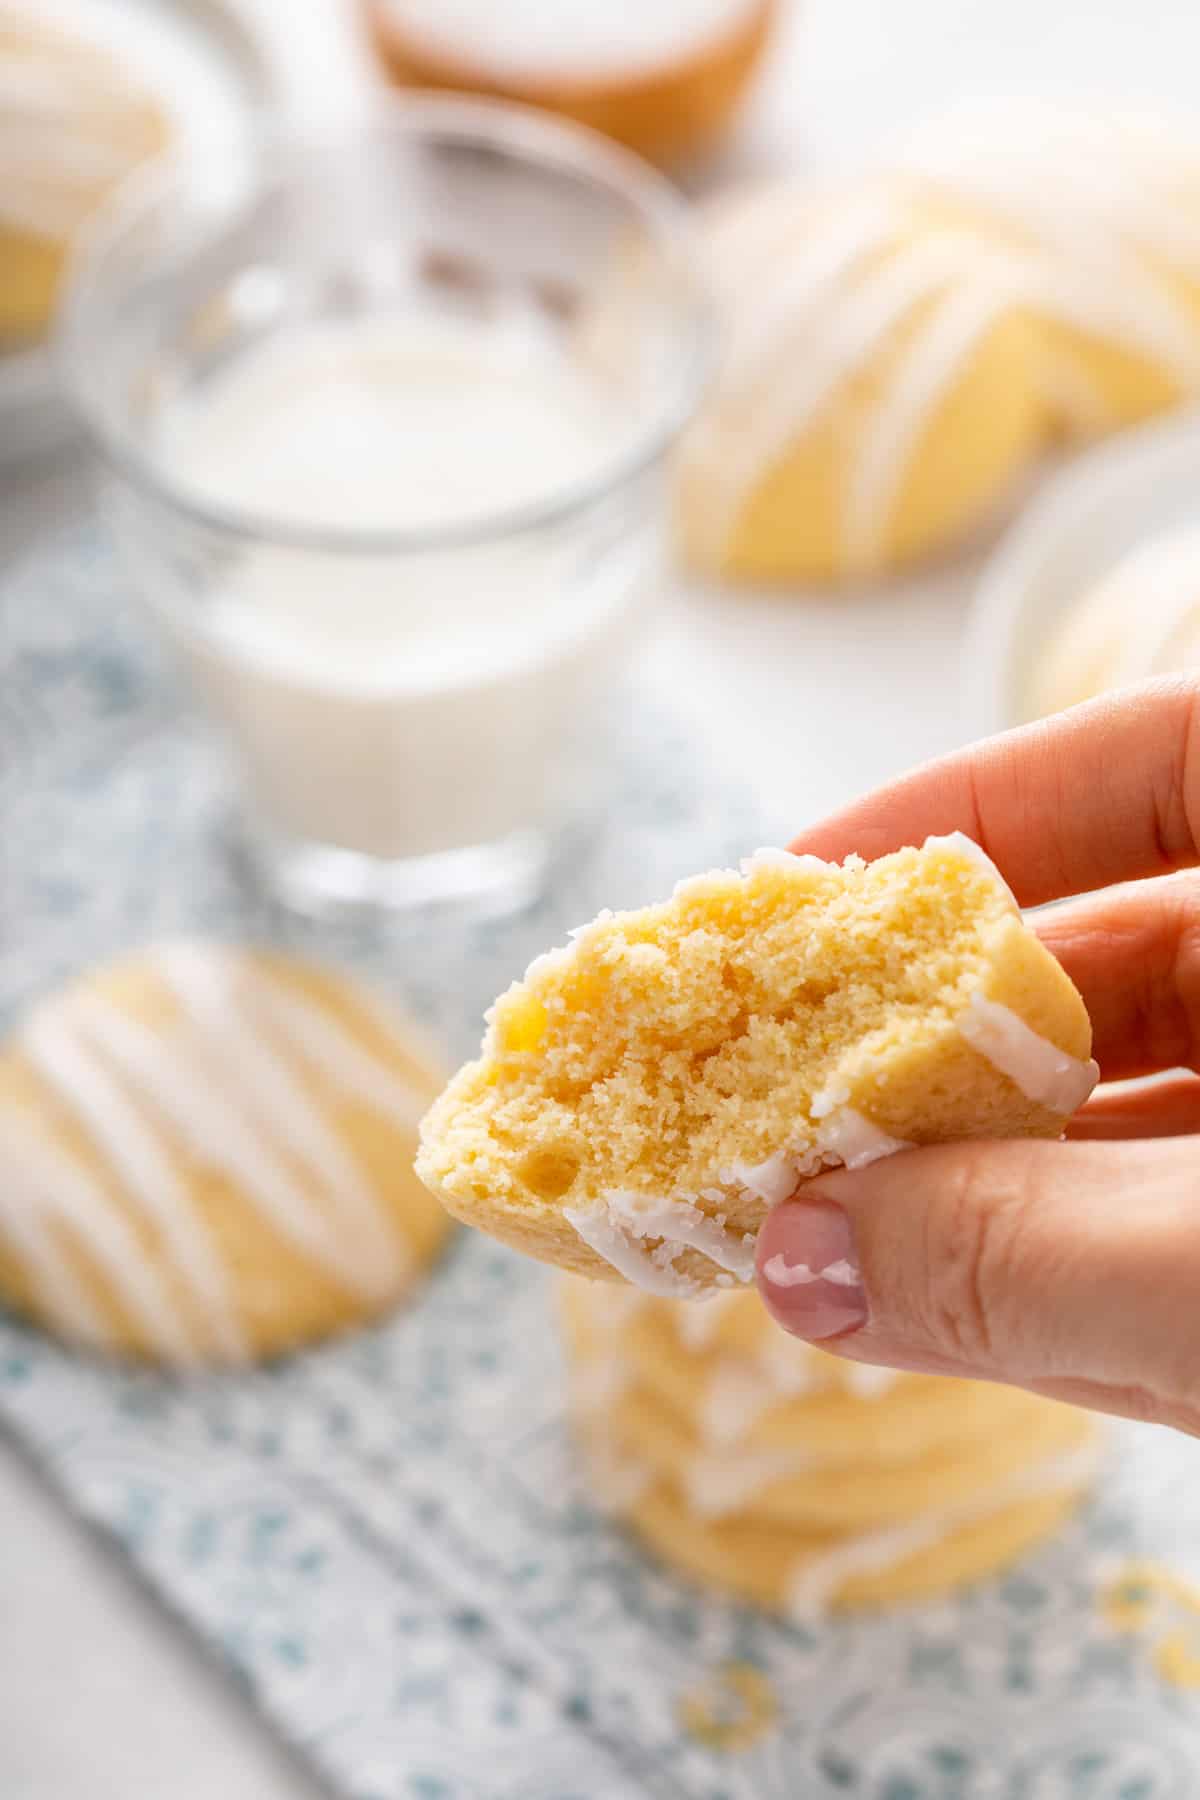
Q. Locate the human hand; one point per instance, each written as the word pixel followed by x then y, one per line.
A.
pixel 1071 1268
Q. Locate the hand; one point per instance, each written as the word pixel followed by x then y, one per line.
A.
pixel 1070 1268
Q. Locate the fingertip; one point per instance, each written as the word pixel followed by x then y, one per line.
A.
pixel 808 1271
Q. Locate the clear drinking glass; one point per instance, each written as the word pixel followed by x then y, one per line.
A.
pixel 383 415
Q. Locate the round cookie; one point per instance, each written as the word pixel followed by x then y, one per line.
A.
pixel 646 1094
pixel 1103 202
pixel 806 1574
pixel 206 1156
pixel 877 395
pixel 75 122
pixel 663 80
pixel 1141 619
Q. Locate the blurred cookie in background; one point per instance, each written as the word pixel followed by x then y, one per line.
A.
pixel 877 395
pixel 767 1469
pixel 1103 199
pixel 663 77
pixel 902 352
pixel 1141 619
pixel 206 1157
pixel 75 119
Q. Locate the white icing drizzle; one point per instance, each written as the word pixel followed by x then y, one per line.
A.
pixel 770 858
pixel 868 1381
pixel 932 362
pixel 697 1326
pixel 646 1269
pixel 116 1125
pixel 735 1398
pixel 718 1485
pixel 790 1367
pixel 959 844
pixel 189 1096
pixel 1079 184
pixel 75 80
pixel 755 427
pixel 332 1052
pixel 852 1140
pixel 1141 619
pixel 1132 308
pixel 26 1224
pixel 229 1096
pixel 1044 1073
pixel 266 1089
pixel 617 1228
pixel 843 1137
pixel 684 1226
pixel 816 265
pixel 772 1180
pixel 598 1381
pixel 50 1184
pixel 818 1579
pixel 742 1389
pixel 65 132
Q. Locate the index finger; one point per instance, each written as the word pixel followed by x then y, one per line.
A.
pixel 1109 791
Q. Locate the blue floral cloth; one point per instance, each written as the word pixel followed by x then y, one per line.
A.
pixel 387 1539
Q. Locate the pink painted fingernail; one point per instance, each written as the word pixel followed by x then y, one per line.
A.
pixel 808 1270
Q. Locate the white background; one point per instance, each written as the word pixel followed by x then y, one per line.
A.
pixel 100 1697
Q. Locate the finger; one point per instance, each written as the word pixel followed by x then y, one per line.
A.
pixel 1168 1108
pixel 1106 792
pixel 1027 1262
pixel 1134 955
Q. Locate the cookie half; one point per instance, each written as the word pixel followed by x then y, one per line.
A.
pixel 647 1093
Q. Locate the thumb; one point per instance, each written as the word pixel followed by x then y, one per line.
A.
pixel 1070 1268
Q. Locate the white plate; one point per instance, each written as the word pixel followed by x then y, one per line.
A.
pixel 206 61
pixel 1099 507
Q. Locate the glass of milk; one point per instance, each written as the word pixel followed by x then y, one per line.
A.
pixel 383 415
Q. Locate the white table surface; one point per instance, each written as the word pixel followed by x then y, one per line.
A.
pixel 101 1697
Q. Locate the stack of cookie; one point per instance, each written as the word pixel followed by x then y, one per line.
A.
pixel 759 1465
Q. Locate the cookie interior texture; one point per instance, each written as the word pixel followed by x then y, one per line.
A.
pixel 687 1063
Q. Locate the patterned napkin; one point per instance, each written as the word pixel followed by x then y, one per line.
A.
pixel 387 1540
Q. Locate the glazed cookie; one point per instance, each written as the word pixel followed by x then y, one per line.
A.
pixel 646 1094
pixel 1102 202
pixel 205 1156
pixel 877 394
pixel 1141 619
pixel 73 122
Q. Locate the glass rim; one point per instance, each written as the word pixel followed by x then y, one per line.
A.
pixel 529 135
